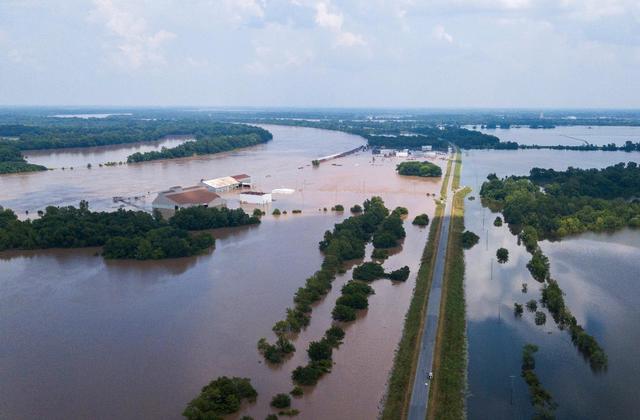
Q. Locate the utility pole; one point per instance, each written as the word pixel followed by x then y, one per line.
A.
pixel 511 377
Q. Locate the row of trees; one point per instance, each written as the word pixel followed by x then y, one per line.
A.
pixel 543 205
pixel 202 146
pixel 12 161
pixel 46 134
pixel 346 242
pixel 220 397
pixel 123 234
pixel 540 398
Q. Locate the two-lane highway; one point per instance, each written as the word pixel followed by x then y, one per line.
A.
pixel 420 393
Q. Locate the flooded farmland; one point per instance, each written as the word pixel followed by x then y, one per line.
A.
pixel 87 337
pixel 598 273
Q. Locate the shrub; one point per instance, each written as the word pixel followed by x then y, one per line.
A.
pixel 532 305
pixel 343 313
pixel 379 254
pixel 319 350
pixel 540 318
pixel 502 254
pixel 315 163
pixel 220 397
pixel 368 271
pixel 356 209
pixel 334 336
pixel 421 220
pixel 498 221
pixel 424 169
pixel 258 213
pixel 297 391
pixel 281 401
pixel 276 212
pixel 539 266
pixel 296 211
pixel 355 301
pixel 337 207
pixel 309 374
pixel 517 309
pixel 400 211
pixel 469 239
pixel 401 274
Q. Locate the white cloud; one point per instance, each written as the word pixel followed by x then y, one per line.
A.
pixel 334 21
pixel 440 34
pixel 136 46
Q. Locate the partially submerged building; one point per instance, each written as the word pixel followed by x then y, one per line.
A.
pixel 179 198
pixel 255 197
pixel 227 183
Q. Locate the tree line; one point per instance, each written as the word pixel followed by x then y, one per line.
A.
pixel 123 234
pixel 12 161
pixel 551 204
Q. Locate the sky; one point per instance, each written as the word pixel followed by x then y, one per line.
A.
pixel 321 53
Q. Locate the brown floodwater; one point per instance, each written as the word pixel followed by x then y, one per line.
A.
pixel 87 338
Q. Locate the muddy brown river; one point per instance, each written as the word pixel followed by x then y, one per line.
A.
pixel 82 337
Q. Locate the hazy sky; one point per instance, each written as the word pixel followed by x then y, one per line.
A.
pixel 382 53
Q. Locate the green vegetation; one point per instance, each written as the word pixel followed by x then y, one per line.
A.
pixel 296 211
pixel 406 357
pixel 281 401
pixel 315 163
pixel 447 390
pixel 276 212
pixel 540 398
pixel 532 305
pixel 517 309
pixel 337 207
pixel 539 266
pixel 390 232
pixel 346 242
pixel 297 391
pixel 320 353
pixel 498 221
pixel 502 254
pixel 123 234
pixel 469 239
pixel 569 202
pixel 423 169
pixel 379 254
pixel 12 161
pixel 540 318
pixel 550 205
pixel 356 209
pixel 421 220
pixel 401 274
pixel 220 397
pixel 368 271
pixel 275 353
pixel 400 211
pixel 200 218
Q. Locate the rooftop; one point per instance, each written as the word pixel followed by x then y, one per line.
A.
pixel 225 181
pixel 240 177
pixel 191 195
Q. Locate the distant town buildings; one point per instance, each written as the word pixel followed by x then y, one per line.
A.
pixel 178 198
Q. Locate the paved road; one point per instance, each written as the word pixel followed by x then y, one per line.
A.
pixel 420 393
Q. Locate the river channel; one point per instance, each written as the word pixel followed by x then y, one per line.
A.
pixel 87 338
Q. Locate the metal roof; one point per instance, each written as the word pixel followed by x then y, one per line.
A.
pixel 225 181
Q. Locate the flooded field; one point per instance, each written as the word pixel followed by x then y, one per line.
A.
pixel 85 337
pixel 567 135
pixel 599 275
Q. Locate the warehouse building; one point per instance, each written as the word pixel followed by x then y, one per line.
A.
pixel 227 183
pixel 255 197
pixel 179 198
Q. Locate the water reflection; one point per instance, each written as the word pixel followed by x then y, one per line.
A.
pixel 598 274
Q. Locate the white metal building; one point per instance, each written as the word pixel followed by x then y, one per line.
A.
pixel 255 197
pixel 227 183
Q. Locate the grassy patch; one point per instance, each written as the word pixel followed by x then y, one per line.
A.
pixel 457 171
pixel 450 363
pixel 443 188
pixel 406 358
